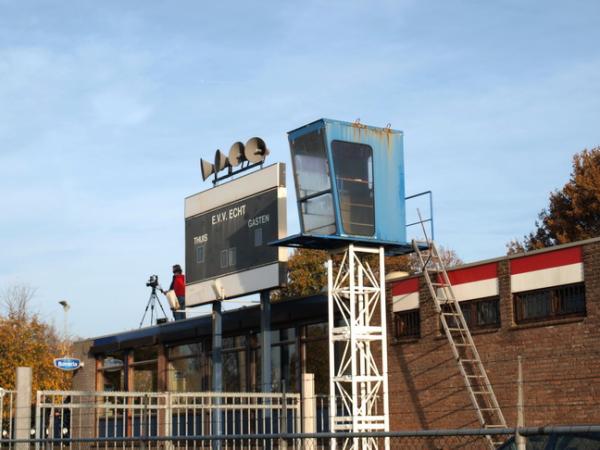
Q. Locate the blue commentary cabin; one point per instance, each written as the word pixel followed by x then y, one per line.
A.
pixel 349 181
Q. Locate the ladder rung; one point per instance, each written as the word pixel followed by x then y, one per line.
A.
pixel 456 329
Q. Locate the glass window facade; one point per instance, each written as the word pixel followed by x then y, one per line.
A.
pixel 113 372
pixel 316 346
pixel 145 353
pixel 235 368
pixel 145 369
pixel 284 367
pixel 145 378
pixel 187 367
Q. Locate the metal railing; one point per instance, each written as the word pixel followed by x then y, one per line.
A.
pixel 558 437
pixel 422 221
pixel 70 416
pixel 7 417
pixel 322 413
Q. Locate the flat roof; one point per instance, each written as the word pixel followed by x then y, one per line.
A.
pixel 304 309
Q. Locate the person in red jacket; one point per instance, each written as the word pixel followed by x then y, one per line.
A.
pixel 178 285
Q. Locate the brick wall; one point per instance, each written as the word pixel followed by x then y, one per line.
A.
pixel 561 364
pixel 84 379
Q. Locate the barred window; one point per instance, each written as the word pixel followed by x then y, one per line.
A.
pixel 479 314
pixel 407 324
pixel 482 313
pixel 550 303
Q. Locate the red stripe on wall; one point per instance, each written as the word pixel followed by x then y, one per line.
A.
pixel 546 260
pixel 406 287
pixel 471 274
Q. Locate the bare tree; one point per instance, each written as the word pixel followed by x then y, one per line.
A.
pixel 25 340
pixel 16 299
pixel 448 256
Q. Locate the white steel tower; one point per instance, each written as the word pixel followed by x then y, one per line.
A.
pixel 358 370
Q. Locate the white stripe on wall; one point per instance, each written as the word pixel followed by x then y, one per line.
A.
pixel 475 289
pixel 554 276
pixel 404 302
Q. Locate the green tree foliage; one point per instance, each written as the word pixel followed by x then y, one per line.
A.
pixel 307 274
pixel 307 270
pixel 25 340
pixel 573 212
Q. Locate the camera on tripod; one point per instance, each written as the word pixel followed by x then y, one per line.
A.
pixel 152 301
pixel 152 281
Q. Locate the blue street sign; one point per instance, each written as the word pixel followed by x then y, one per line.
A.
pixel 67 363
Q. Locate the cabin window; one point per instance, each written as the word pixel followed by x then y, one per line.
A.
pixel 353 165
pixel 313 187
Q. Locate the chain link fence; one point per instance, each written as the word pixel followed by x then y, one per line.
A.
pixel 546 438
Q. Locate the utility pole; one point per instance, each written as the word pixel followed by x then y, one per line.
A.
pixel 65 305
pixel 520 439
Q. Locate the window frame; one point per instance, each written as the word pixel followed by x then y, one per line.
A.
pixel 336 179
pixel 555 314
pixel 471 321
pixel 416 325
pixel 303 198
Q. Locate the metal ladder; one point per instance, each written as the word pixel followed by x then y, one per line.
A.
pixel 463 348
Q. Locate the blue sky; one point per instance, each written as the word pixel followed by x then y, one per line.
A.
pixel 106 108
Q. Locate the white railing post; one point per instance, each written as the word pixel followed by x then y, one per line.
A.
pixel 23 413
pixel 309 408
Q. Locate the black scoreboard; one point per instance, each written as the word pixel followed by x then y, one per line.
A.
pixel 232 238
pixel 227 231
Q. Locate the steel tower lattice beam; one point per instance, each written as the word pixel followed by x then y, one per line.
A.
pixel 358 382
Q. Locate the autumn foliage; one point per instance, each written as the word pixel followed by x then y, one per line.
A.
pixel 573 212
pixel 307 270
pixel 25 340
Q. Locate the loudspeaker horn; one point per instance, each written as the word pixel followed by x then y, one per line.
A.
pixel 255 150
pixel 236 154
pixel 221 161
pixel 206 168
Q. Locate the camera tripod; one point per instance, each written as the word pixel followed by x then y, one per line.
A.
pixel 152 301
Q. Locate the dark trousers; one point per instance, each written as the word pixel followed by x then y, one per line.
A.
pixel 180 315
